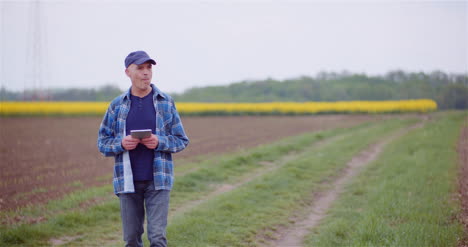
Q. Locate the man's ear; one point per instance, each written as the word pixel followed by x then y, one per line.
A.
pixel 127 72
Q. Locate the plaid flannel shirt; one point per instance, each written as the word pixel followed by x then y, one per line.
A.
pixel 169 130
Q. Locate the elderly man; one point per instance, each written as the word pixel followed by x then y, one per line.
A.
pixel 143 171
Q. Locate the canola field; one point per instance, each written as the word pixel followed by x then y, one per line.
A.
pixel 196 108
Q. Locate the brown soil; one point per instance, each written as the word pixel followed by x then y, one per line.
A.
pixel 463 181
pixel 294 235
pixel 43 158
pixel 210 135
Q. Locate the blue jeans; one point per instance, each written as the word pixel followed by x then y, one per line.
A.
pixel 132 211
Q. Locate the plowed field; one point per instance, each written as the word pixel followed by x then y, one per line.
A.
pixel 42 158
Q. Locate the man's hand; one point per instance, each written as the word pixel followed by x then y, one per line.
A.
pixel 130 143
pixel 150 142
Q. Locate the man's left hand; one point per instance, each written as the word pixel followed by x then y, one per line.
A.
pixel 150 142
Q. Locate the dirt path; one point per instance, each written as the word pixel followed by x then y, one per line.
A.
pixel 294 235
pixel 463 180
pixel 268 167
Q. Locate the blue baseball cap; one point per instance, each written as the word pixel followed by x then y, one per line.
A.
pixel 138 57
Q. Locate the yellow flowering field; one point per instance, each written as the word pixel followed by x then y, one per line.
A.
pixel 195 108
pixel 41 108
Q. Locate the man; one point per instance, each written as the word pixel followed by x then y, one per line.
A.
pixel 143 171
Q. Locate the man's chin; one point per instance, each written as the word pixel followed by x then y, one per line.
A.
pixel 143 88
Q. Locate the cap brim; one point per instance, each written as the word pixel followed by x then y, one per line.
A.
pixel 144 60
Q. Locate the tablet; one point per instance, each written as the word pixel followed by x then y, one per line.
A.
pixel 140 134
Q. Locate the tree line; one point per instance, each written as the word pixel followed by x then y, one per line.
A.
pixel 104 93
pixel 450 91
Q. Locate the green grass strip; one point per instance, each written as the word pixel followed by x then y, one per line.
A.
pixel 231 168
pixel 235 218
pixel 405 198
pixel 66 218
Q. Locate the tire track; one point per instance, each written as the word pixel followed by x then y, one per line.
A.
pixel 462 149
pixel 295 234
pixel 269 167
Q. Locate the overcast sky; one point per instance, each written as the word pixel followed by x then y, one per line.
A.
pixel 198 43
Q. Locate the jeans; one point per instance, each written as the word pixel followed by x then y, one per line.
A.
pixel 132 211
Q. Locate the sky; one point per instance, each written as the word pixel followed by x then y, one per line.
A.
pixel 83 44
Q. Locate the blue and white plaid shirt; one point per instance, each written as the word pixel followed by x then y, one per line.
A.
pixel 169 130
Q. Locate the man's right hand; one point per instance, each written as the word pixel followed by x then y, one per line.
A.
pixel 130 143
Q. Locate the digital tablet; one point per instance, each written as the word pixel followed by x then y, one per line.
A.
pixel 140 134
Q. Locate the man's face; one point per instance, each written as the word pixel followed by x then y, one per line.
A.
pixel 140 75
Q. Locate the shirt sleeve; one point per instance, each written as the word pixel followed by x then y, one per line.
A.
pixel 109 143
pixel 176 140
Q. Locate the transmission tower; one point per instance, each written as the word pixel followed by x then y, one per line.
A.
pixel 2 47
pixel 36 50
